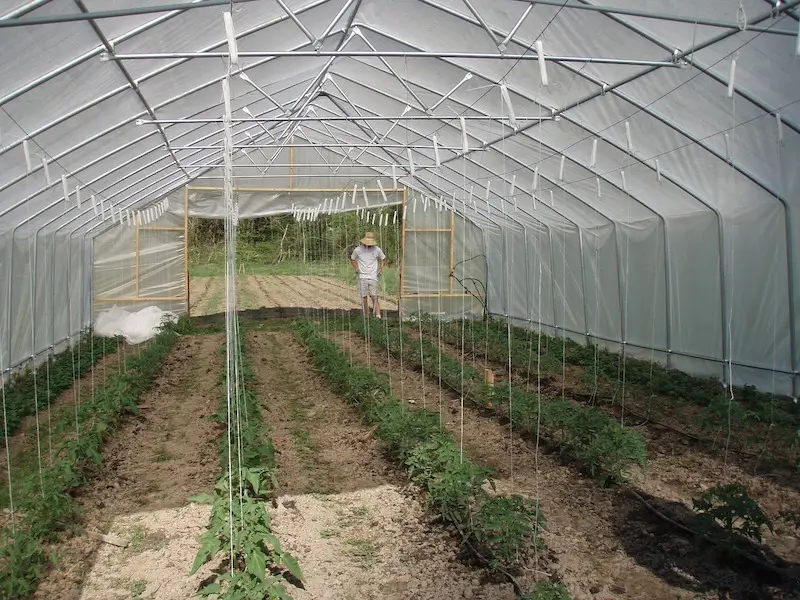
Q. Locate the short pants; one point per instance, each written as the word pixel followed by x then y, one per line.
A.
pixel 367 287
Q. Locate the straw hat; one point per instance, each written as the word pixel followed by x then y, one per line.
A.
pixel 368 239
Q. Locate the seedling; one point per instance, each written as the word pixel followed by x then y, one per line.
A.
pixel 731 508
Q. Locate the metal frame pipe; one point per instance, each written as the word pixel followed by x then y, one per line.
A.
pixel 390 54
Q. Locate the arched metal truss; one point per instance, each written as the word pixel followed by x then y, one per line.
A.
pixel 337 66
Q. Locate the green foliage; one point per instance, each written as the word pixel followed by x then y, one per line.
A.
pixel 504 524
pixel 548 591
pixel 253 550
pixel 724 414
pixel 241 530
pixel 730 507
pixel 279 245
pixel 32 388
pixel 503 529
pixel 46 505
pixel 605 448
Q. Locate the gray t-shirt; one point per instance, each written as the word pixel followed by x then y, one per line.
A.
pixel 367 258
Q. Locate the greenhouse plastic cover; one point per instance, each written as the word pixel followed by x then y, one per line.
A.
pixel 664 218
pixel 134 327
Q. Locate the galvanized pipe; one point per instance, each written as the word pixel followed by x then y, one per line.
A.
pixel 388 54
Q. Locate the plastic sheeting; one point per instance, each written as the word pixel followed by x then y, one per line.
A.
pixel 134 327
pixel 139 266
pixel 698 267
pixel 444 261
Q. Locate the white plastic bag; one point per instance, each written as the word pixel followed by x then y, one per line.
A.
pixel 135 327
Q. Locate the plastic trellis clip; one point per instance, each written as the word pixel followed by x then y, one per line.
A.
pixel 383 193
pixel 65 187
pixel 46 169
pixel 27 152
pixel 542 63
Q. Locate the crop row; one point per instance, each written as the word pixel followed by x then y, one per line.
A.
pixel 34 389
pixel 47 505
pixel 586 434
pixel 501 529
pixel 240 526
pixel 499 341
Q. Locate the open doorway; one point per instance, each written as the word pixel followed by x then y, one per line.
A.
pixel 292 263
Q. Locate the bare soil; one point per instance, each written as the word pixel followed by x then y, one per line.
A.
pixel 605 544
pixel 278 291
pixel 343 511
pixel 155 461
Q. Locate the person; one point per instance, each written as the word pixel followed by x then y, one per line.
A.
pixel 368 261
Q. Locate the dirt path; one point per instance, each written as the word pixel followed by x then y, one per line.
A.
pixel 152 465
pixel 270 291
pixel 356 532
pixel 605 544
pixel 198 291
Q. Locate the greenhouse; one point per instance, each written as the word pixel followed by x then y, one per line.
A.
pixel 331 299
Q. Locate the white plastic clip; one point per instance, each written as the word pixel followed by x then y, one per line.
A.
pixel 727 147
pixel 64 187
pixel 231 33
pixel 535 178
pixel 624 184
pixel 542 64
pixel 46 169
pixel 410 162
pixel 593 159
pixel 27 152
pixel 436 151
pixel 464 138
pixel 510 107
pixel 552 202
pixel 732 78
pixel 355 191
pixel 364 193
pixel 779 124
pixel 599 189
pixel 383 192
pixel 394 176
pixel 628 137
pixel 513 189
pixel 394 218
pixel 658 171
pixel 78 194
pixel 561 169
pixel 94 206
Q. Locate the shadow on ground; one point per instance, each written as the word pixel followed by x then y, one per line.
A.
pixel 699 567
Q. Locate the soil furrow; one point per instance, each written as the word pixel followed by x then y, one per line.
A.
pixel 606 544
pixel 679 469
pixel 342 511
pixel 155 461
